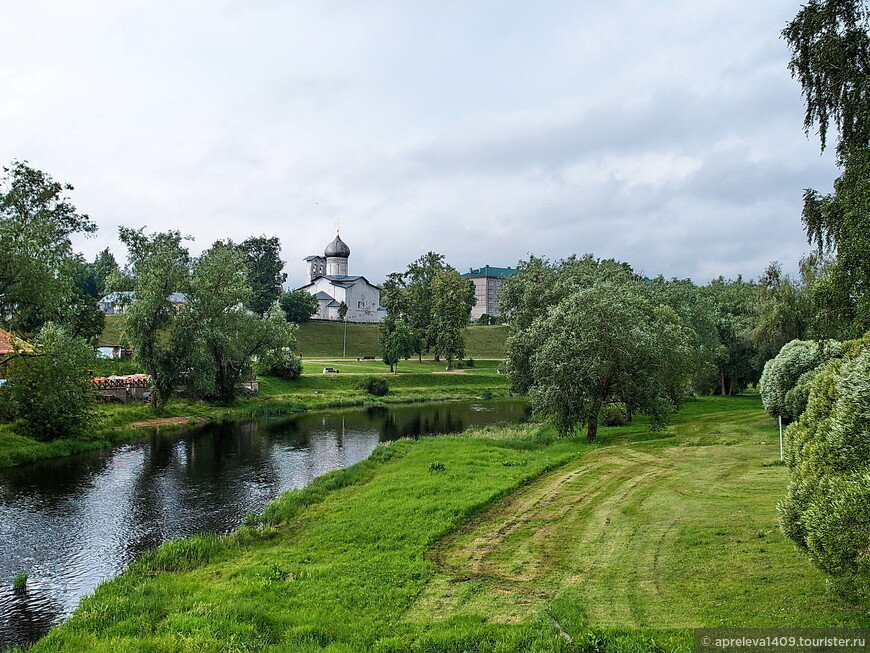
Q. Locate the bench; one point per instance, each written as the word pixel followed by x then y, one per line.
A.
pixel 366 358
pixel 330 370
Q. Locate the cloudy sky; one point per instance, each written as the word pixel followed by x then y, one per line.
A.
pixel 666 134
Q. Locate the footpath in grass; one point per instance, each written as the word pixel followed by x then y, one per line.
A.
pixel 486 542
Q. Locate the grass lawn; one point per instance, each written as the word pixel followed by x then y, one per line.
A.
pixel 320 339
pixel 479 542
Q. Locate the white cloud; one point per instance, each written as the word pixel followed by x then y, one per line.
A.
pixel 668 135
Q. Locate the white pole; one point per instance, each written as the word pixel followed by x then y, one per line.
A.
pixel 780 437
pixel 344 355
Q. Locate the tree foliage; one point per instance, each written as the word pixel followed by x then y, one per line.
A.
pixel 49 390
pixel 227 337
pixel 739 361
pixel 830 47
pixel 831 60
pixel 601 345
pixel 452 301
pixel 397 341
pixel 408 295
pixel 786 378
pixel 36 223
pixel 160 266
pixel 298 306
pixel 262 257
pixel 586 333
pixel 827 507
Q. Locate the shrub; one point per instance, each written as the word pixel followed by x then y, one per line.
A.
pixel 827 507
pixel 612 415
pixel 49 392
pixel 283 363
pixel 470 362
pixel 375 385
pixel 788 370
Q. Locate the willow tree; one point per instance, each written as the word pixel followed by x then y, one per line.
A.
pixel 606 344
pixel 830 48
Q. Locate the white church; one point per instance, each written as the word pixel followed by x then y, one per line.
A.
pixel 329 281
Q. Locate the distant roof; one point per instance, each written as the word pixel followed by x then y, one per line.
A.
pixel 323 295
pixel 127 296
pixel 342 280
pixel 333 304
pixel 119 296
pixel 489 271
pixel 311 258
pixel 8 343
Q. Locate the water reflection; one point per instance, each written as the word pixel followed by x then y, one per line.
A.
pixel 76 521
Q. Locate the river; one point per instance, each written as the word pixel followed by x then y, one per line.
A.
pixel 74 522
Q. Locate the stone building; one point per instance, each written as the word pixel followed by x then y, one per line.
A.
pixel 487 286
pixel 329 281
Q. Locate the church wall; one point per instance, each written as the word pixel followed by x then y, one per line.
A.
pixel 362 302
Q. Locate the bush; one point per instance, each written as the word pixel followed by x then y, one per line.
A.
pixel 788 370
pixel 283 363
pixel 49 392
pixel 374 385
pixel 612 415
pixel 827 507
pixel 470 362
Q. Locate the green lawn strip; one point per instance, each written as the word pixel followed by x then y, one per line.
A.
pixel 340 571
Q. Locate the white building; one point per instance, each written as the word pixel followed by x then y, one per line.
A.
pixel 329 281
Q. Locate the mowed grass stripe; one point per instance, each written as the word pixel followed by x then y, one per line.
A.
pixel 673 532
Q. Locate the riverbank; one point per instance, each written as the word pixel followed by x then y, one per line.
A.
pixel 414 382
pixel 504 539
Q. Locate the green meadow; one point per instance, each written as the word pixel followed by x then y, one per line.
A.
pixel 503 539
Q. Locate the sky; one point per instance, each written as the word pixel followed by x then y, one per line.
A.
pixel 665 134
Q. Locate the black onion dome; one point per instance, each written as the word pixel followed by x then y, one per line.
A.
pixel 337 248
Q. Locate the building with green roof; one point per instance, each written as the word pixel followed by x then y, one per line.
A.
pixel 488 281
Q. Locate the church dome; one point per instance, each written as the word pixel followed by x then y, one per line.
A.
pixel 337 248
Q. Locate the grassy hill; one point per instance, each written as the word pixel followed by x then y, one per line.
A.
pixel 325 340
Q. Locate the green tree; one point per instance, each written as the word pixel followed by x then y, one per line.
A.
pixel 783 311
pixel 408 295
pixel 49 387
pixel 36 223
pixel 830 48
pixel 298 306
pixel 738 362
pixel 91 278
pixel 452 301
pixel 159 266
pixel 264 267
pixel 397 341
pixel 601 345
pixel 342 311
pixel 227 337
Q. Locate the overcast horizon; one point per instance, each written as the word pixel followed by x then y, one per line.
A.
pixel 669 137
